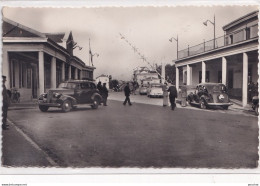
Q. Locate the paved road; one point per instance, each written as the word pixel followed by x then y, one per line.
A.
pixel 140 135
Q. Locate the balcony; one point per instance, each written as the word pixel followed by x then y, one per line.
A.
pixel 225 40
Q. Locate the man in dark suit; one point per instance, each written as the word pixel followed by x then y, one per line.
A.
pixel 104 93
pixel 127 94
pixel 6 102
pixel 173 94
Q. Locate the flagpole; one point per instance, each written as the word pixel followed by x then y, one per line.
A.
pixel 89 52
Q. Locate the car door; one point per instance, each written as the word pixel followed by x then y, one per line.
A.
pixel 87 92
pixel 84 93
pixel 77 93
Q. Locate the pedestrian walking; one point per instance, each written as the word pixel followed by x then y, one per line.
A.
pixel 104 94
pixel 184 96
pixel 127 94
pixel 173 94
pixel 6 103
pixel 165 95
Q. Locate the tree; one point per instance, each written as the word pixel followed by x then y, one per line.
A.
pixel 170 73
pixel 114 84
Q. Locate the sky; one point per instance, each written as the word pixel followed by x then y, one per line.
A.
pixel 147 28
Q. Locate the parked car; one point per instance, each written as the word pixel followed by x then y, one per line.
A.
pixel 209 95
pixel 69 94
pixel 143 89
pixel 155 90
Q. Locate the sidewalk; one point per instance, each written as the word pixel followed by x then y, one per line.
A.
pixel 18 150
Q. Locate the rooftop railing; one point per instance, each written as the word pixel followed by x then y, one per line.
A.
pixel 225 40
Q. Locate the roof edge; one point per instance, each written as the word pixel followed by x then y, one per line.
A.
pixel 24 27
pixel 240 19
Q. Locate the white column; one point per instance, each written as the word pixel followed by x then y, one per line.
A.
pixel 188 75
pixel 177 78
pixel 203 71
pixel 69 71
pixel 245 79
pixel 41 72
pixel 53 72
pixel 6 68
pixel 224 71
pixel 63 71
pixel 76 73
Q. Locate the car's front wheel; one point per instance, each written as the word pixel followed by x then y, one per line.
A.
pixel 66 106
pixel 202 104
pixel 95 103
pixel 43 108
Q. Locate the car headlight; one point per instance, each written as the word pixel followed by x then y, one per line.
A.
pixel 42 96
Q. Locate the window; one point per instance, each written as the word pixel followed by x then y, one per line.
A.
pixel 84 85
pixel 231 39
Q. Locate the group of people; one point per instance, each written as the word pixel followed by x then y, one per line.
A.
pixel 172 95
pixel 103 91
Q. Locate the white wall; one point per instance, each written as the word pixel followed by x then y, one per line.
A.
pixel 255 72
pixel 238 76
pixel 195 73
pixel 103 80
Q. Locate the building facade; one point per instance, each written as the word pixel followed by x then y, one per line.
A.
pixel 231 59
pixel 34 62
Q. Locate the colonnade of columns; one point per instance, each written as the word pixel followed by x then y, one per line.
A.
pixel 224 76
pixel 53 72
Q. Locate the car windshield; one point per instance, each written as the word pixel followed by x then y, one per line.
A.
pixel 216 88
pixel 68 85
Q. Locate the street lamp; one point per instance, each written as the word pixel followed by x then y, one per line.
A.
pixel 80 48
pixel 177 43
pixel 214 24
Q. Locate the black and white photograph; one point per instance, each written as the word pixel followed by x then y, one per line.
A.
pixel 130 87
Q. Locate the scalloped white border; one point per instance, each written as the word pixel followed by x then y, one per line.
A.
pixel 144 171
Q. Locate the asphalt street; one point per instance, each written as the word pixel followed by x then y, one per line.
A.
pixel 140 135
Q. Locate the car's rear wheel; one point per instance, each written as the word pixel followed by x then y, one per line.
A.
pixel 43 108
pixel 95 103
pixel 202 104
pixel 66 106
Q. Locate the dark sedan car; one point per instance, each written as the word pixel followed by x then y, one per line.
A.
pixel 69 94
pixel 209 95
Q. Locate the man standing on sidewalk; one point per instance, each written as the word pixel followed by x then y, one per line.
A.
pixel 6 102
pixel 127 94
pixel 173 94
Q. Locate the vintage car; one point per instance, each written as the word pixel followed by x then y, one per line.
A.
pixel 69 94
pixel 143 89
pixel 155 90
pixel 208 95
